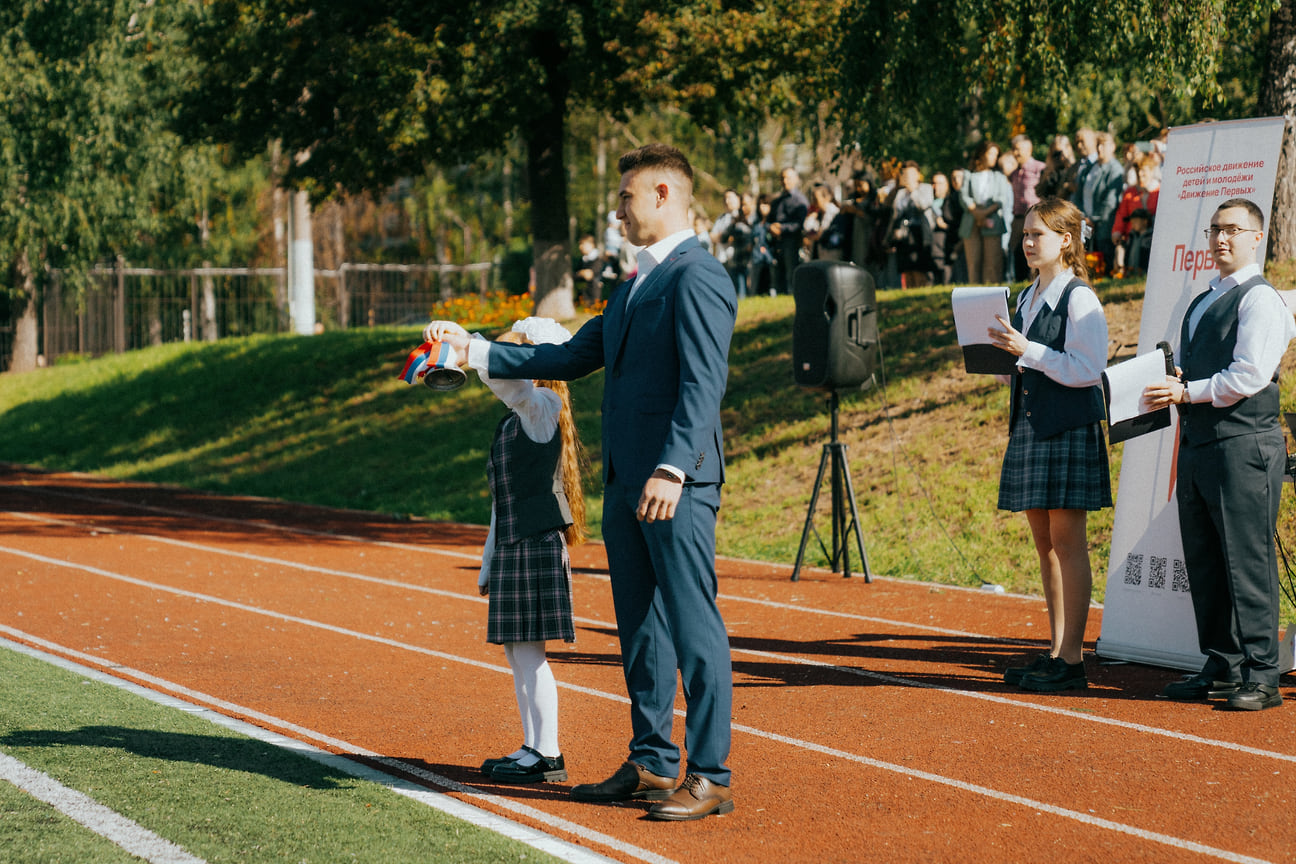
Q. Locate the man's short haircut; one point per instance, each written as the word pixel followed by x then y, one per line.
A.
pixel 661 156
pixel 1018 139
pixel 910 163
pixel 1252 209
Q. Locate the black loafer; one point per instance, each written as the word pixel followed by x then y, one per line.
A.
pixel 1057 675
pixel 1200 686
pixel 548 769
pixel 1014 674
pixel 1255 697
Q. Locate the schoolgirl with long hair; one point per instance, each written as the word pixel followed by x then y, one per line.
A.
pixel 537 512
pixel 1055 468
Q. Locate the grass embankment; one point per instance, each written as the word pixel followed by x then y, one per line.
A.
pixel 324 420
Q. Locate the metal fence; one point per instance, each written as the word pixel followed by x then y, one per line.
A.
pixel 126 308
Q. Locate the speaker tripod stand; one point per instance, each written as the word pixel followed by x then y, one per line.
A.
pixel 844 523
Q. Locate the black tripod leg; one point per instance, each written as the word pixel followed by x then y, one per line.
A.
pixel 809 523
pixel 840 531
pixel 854 520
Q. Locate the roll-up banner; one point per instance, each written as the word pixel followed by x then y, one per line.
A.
pixel 1148 615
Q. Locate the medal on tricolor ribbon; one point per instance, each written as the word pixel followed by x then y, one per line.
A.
pixel 435 363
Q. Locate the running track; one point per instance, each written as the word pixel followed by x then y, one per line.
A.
pixel 870 722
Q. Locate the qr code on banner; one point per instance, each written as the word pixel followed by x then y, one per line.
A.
pixel 1180 582
pixel 1133 569
pixel 1157 573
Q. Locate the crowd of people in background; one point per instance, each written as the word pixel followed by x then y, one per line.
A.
pixel 961 226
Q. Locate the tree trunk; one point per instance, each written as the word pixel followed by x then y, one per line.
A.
pixel 1278 99
pixel 26 338
pixel 547 173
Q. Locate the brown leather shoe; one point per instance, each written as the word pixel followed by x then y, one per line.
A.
pixel 697 798
pixel 631 782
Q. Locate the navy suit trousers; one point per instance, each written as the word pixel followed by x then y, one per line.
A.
pixel 664 590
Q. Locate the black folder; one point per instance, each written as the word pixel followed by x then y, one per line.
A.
pixel 987 359
pixel 1135 426
pixel 1143 423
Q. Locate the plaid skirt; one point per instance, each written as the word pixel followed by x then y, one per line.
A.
pixel 531 591
pixel 1067 471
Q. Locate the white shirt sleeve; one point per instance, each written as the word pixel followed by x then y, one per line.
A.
pixel 1083 358
pixel 537 407
pixel 488 553
pixel 1265 326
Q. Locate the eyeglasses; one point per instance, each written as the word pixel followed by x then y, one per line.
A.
pixel 1229 231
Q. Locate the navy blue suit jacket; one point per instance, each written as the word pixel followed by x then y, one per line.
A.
pixel 666 361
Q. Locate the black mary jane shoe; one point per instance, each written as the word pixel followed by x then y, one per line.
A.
pixel 1014 674
pixel 1058 675
pixel 490 764
pixel 548 769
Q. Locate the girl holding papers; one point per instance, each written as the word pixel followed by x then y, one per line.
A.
pixel 1055 467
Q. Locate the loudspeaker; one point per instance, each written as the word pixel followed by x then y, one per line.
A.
pixel 835 334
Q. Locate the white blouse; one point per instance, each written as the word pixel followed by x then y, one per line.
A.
pixel 538 409
pixel 1083 357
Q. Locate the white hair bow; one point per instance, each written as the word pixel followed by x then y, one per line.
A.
pixel 542 331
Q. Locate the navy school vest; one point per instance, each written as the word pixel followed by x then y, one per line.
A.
pixel 526 483
pixel 1052 408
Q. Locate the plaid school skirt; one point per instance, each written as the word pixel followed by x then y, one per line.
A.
pixel 531 591
pixel 1067 471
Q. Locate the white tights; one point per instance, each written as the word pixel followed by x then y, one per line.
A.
pixel 537 698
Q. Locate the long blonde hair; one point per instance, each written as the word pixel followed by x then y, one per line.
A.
pixel 573 462
pixel 572 458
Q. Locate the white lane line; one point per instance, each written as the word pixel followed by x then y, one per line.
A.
pixel 250 556
pixel 770 736
pixel 327 571
pixel 432 550
pixel 107 823
pixel 292 619
pixel 1009 798
pixel 595 622
pixel 298 744
pixel 249 523
pixel 1069 713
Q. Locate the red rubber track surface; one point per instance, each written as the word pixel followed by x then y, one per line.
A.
pixel 870 720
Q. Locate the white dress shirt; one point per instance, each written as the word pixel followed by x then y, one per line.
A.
pixel 650 256
pixel 1265 326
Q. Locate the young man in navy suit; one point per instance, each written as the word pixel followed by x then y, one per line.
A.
pixel 663 342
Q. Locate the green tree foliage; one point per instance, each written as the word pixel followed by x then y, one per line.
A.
pixel 81 141
pixel 367 93
pixel 210 208
pixel 926 78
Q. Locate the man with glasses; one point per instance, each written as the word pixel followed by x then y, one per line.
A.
pixel 1231 464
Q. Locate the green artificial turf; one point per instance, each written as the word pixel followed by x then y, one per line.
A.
pixel 217 794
